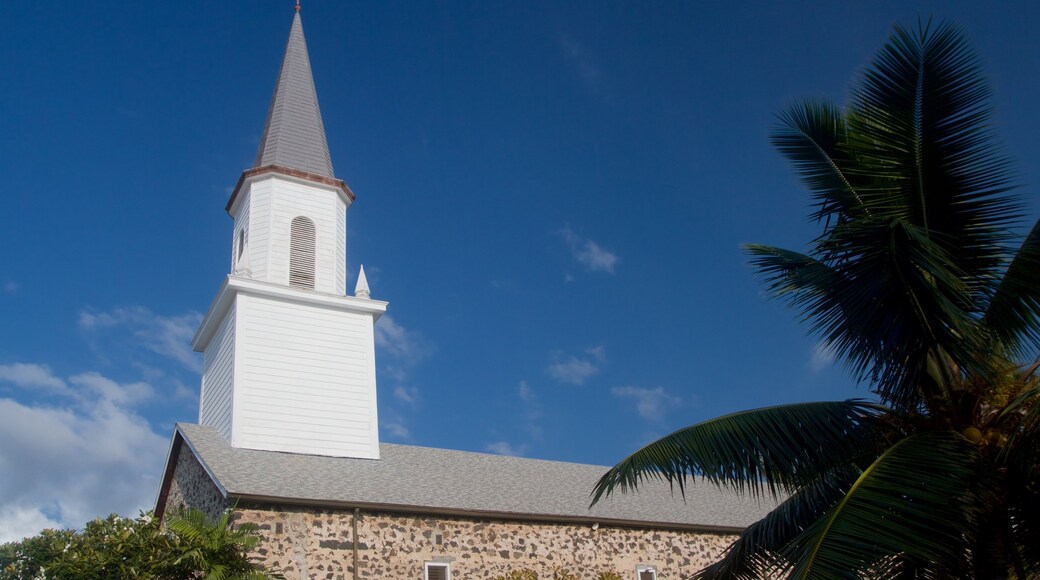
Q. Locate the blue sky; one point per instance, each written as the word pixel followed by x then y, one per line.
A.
pixel 552 197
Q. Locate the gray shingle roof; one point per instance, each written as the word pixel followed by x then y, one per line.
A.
pixel 431 480
pixel 294 135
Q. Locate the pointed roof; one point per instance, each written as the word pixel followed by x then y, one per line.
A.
pixel 362 290
pixel 294 135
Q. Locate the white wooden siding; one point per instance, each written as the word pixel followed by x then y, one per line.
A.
pixel 260 229
pixel 341 246
pixel 241 224
pixel 268 208
pixel 306 380
pixel 271 219
pixel 215 405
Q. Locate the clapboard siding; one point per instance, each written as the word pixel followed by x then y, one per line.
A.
pixel 275 201
pixel 241 225
pixel 306 378
pixel 218 377
pixel 259 231
pixel 341 246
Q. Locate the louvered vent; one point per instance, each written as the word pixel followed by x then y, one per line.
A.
pixel 437 572
pixel 301 253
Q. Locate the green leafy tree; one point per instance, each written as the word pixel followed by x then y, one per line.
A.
pixel 116 548
pixel 921 288
pixel 217 550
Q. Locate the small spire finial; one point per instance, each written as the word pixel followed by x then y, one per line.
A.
pixel 361 290
pixel 297 5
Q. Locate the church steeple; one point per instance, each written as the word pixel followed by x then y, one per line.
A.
pixel 294 135
pixel 289 357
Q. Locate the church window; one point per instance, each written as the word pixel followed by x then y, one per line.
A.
pixel 301 253
pixel 646 573
pixel 437 571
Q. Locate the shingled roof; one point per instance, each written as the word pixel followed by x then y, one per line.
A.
pixel 294 135
pixel 459 483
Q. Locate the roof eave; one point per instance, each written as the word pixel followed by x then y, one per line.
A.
pixel 257 172
pixel 177 444
pixel 241 498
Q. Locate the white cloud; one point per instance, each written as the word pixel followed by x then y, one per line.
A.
pixel 524 392
pixel 409 395
pixel 11 287
pixel 167 336
pixel 505 448
pixel 109 390
pixel 399 342
pixel 577 369
pixel 71 460
pixel 532 411
pixel 650 403
pixel 572 370
pixel 396 430
pixel 588 253
pixel 822 357
pixel 405 349
pixel 18 523
pixel 33 376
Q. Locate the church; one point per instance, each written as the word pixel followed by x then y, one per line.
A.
pixel 288 433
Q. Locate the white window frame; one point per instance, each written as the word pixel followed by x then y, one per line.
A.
pixel 428 565
pixel 644 568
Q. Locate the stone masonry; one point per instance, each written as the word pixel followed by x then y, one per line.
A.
pixel 303 542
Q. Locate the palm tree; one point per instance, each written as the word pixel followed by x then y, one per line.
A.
pixel 216 550
pixel 920 286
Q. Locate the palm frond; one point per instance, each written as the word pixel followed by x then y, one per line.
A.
pixel 919 198
pixel 916 502
pixel 756 553
pixel 777 449
pixel 813 136
pixel 1013 313
pixel 921 129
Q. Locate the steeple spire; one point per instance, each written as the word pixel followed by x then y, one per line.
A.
pixel 294 135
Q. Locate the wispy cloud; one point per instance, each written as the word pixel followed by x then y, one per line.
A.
pixel 822 357
pixel 408 395
pixel 583 60
pixel 576 369
pixel 105 389
pixel 650 403
pixel 532 410
pixel 399 342
pixel 588 253
pixel 399 350
pixel 506 448
pixel 524 391
pixel 33 376
pixel 11 287
pixel 396 430
pixel 84 453
pixel 167 336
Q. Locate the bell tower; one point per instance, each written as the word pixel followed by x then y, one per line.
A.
pixel 289 357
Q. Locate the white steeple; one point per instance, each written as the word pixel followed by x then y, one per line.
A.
pixel 361 289
pixel 289 358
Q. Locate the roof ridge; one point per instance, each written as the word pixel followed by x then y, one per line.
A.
pixel 489 454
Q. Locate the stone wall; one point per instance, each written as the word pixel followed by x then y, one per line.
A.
pixel 301 542
pixel 312 543
pixel 191 486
